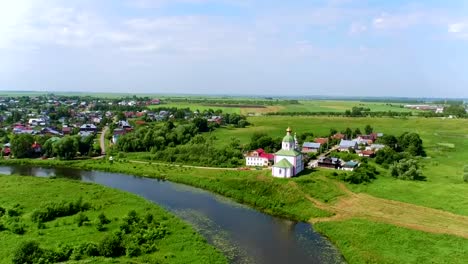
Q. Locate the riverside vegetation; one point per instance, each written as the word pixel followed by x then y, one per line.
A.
pixel 61 220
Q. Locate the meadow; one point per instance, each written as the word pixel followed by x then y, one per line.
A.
pixel 26 194
pixel 443 166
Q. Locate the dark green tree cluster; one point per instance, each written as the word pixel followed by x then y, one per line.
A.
pixel 465 173
pixel 201 151
pixel 159 138
pixel 235 120
pixel 262 140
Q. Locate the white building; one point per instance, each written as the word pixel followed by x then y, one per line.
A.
pixel 258 158
pixel 288 161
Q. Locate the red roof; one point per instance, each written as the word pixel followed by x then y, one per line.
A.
pixel 6 150
pixel 36 145
pixel 338 136
pixel 140 122
pixel 263 154
pixel 66 129
pixel 367 152
pixel 321 140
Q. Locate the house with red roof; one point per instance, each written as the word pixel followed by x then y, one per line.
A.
pixel 259 158
pixel 36 147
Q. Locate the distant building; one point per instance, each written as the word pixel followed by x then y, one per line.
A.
pixel 345 145
pixel 350 165
pixel 88 128
pixel 288 161
pixel 309 147
pixel 259 158
pixel 329 162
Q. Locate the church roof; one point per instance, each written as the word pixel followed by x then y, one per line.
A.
pixel 291 152
pixel 284 163
pixel 288 138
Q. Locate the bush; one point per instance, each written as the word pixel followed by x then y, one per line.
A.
pixel 18 228
pixel 53 210
pixel 87 249
pixel 362 174
pixel 111 246
pixel 81 219
pixel 28 252
pixel 407 169
pixel 13 213
pixel 2 211
pixel 103 219
pixel 465 173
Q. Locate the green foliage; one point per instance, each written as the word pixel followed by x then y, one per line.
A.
pixel 262 140
pixel 81 219
pixel 407 169
pixel 21 145
pixel 368 129
pixel 28 252
pixel 456 110
pixel 67 147
pixel 50 211
pixel 111 246
pixel 412 144
pixel 363 174
pixel 465 173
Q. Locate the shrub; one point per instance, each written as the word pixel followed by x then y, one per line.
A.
pixel 2 211
pixel 407 169
pixel 364 173
pixel 111 246
pixel 27 252
pixel 465 173
pixel 81 219
pixel 12 213
pixel 103 219
pixel 18 228
pixel 53 210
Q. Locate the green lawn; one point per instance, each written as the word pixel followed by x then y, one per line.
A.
pixel 26 194
pixel 200 107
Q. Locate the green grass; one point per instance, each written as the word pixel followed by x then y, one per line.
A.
pixel 341 106
pixel 444 188
pixel 364 241
pixel 200 107
pixel 183 245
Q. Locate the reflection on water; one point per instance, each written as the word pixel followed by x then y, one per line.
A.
pixel 244 235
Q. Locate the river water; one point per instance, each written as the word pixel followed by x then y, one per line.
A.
pixel 243 234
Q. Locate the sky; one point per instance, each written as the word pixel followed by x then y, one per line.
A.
pixel 251 47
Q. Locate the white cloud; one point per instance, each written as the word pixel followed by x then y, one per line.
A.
pixel 399 21
pixel 457 27
pixel 357 28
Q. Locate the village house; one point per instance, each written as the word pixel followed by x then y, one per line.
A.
pixel 66 130
pixel 215 119
pixel 338 136
pixel 321 140
pixel 309 147
pixel 259 158
pixel 367 153
pixel 36 147
pixel 375 147
pixel 288 161
pixel 329 162
pixel 345 145
pixel 88 128
pixel 117 133
pixel 350 165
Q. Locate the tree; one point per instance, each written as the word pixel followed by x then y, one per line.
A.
pixel 368 129
pixel 348 133
pixel 67 147
pixel 201 124
pixel 407 169
pixel 333 131
pixel 357 132
pixel 411 143
pixel 21 145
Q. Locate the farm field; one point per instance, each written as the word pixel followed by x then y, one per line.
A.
pixel 27 194
pixel 303 106
pixel 445 141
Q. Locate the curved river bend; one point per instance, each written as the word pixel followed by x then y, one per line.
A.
pixel 244 235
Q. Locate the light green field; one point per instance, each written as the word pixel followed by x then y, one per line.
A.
pixel 182 245
pixel 200 107
pixel 444 188
pixel 341 106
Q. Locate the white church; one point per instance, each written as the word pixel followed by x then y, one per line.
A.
pixel 288 161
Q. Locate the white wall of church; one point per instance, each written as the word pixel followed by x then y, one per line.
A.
pixel 282 172
pixel 256 161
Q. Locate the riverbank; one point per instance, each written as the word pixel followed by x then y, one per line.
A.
pixel 310 197
pixel 65 234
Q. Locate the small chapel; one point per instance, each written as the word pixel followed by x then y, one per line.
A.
pixel 288 161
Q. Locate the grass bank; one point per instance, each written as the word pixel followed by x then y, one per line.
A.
pixel 25 195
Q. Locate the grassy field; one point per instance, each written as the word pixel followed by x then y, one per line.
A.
pixel 25 194
pixel 341 106
pixel 370 242
pixel 444 188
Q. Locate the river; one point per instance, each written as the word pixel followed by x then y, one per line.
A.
pixel 243 234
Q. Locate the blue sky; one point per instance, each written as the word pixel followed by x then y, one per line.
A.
pixel 334 47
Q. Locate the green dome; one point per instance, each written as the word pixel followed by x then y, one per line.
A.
pixel 288 138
